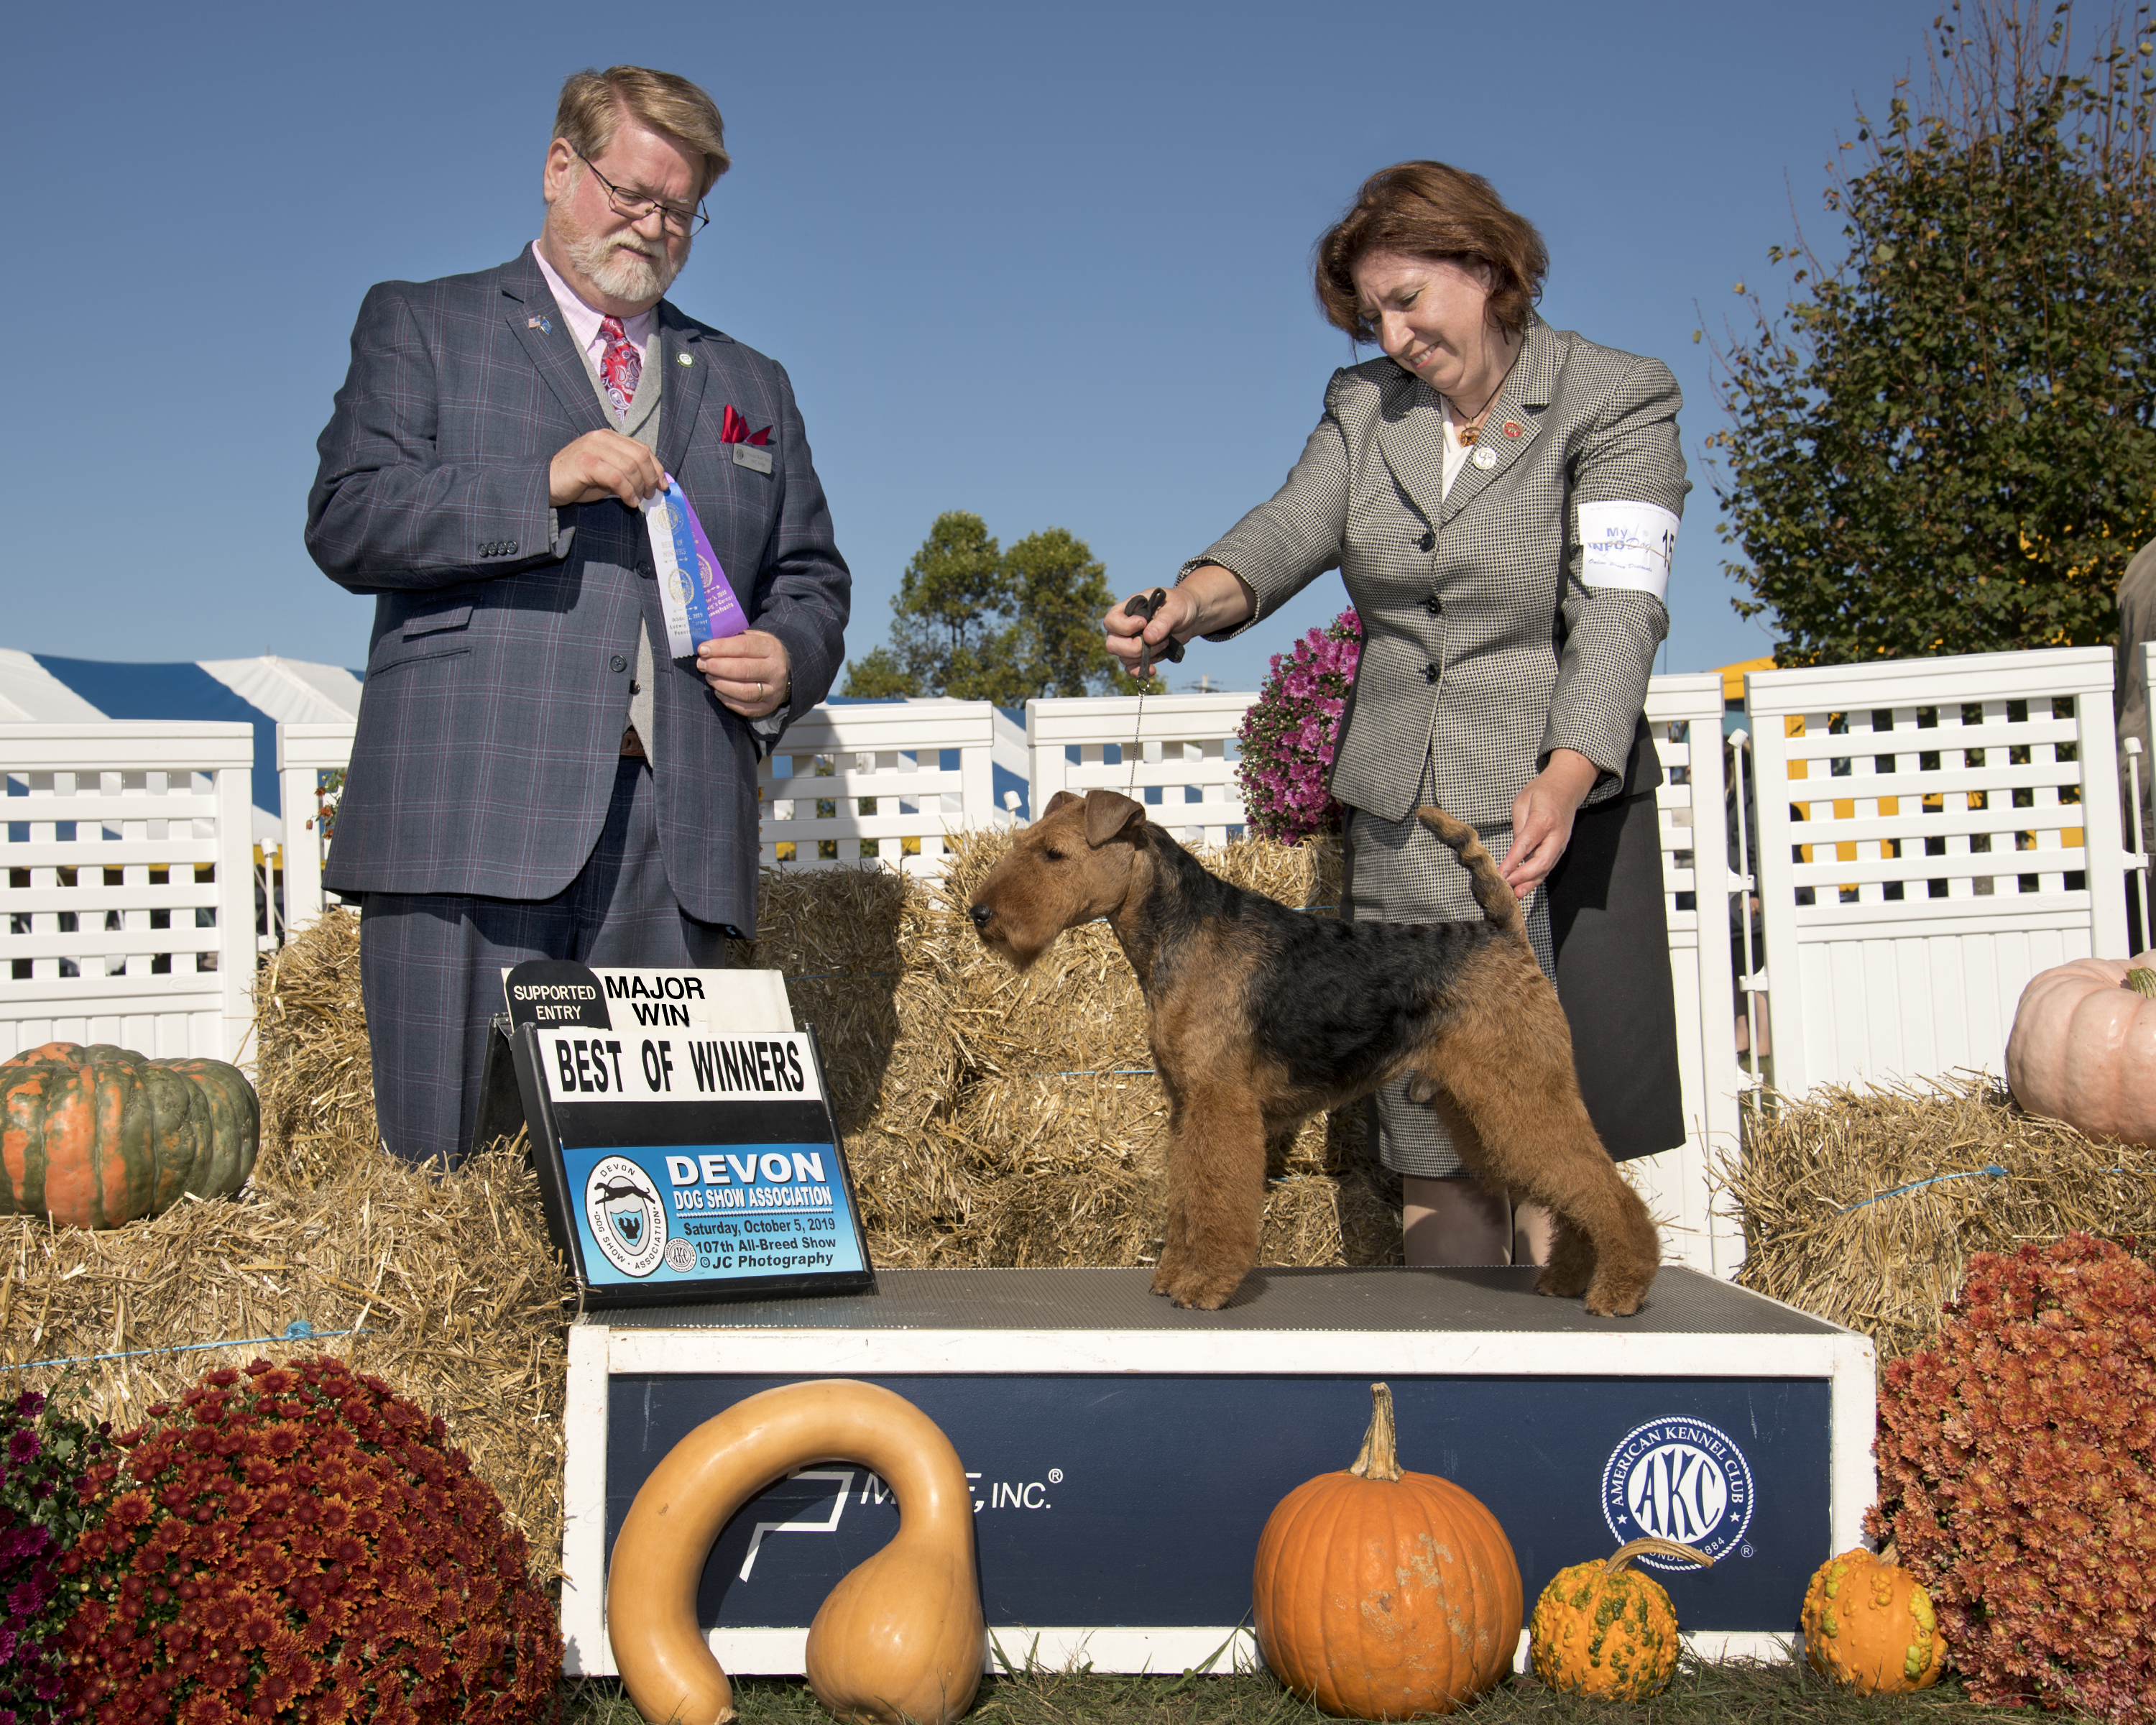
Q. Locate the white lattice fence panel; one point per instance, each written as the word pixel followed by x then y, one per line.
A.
pixel 1685 713
pixel 1186 755
pixel 1931 833
pixel 854 784
pixel 130 894
pixel 306 755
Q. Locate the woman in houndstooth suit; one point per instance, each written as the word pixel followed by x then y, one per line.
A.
pixel 1500 498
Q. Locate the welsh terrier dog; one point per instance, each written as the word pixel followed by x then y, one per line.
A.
pixel 1260 1016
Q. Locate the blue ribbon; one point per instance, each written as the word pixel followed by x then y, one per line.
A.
pixel 299 1330
pixel 1965 1174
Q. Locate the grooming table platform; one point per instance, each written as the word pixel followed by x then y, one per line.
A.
pixel 1125 1454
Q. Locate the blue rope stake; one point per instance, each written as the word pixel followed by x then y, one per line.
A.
pixel 1965 1174
pixel 299 1330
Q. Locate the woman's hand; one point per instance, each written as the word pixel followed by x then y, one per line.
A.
pixel 1542 819
pixel 1207 599
pixel 750 672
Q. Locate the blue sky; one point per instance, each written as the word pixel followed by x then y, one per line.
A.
pixel 1046 264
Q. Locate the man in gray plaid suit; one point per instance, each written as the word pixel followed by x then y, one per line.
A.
pixel 533 775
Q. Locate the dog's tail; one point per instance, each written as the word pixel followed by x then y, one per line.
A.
pixel 1491 892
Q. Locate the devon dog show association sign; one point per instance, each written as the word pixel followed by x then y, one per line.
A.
pixel 677 1165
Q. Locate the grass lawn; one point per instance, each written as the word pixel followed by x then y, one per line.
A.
pixel 1701 1694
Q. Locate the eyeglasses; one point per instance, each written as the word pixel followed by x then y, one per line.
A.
pixel 636 206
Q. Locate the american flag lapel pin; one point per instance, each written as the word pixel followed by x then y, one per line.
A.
pixel 539 324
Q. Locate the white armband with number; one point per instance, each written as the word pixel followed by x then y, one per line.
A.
pixel 1627 544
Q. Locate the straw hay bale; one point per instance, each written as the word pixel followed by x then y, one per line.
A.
pixel 1807 1166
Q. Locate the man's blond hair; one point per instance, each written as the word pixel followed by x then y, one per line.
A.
pixel 592 104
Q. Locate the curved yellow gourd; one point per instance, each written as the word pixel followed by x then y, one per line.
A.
pixel 900 1637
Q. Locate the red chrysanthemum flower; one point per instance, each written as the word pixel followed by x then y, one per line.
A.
pixel 237 1583
pixel 2017 1474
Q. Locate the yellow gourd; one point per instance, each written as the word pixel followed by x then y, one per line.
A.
pixel 1604 1630
pixel 900 1637
pixel 1869 1625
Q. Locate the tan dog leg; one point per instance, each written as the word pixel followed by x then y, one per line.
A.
pixel 1216 1197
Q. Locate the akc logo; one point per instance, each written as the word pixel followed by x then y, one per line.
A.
pixel 1679 1479
pixel 625 1216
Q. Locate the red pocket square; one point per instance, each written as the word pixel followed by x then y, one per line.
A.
pixel 734 430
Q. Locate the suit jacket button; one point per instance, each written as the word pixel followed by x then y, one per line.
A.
pixel 1433 605
pixel 1429 673
pixel 1427 542
pixel 617 663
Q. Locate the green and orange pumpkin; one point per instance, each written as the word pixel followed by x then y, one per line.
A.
pixel 1606 1629
pixel 99 1136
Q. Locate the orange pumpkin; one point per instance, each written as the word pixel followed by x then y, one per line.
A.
pixel 98 1137
pixel 2083 1047
pixel 1381 1595
pixel 1869 1625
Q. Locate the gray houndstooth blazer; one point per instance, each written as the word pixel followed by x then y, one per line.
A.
pixel 1482 651
pixel 506 632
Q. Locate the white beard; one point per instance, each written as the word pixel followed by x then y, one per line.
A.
pixel 619 269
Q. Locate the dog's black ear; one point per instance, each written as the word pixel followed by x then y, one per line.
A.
pixel 1107 813
pixel 1061 799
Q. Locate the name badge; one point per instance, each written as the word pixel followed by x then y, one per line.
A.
pixel 1627 544
pixel 751 455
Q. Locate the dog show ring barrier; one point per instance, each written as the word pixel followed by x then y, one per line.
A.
pixel 1125 1454
pixel 1184 744
pixel 306 754
pixel 1933 833
pixel 130 886
pixel 884 783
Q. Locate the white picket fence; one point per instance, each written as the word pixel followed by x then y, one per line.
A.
pixel 1172 751
pixel 131 887
pixel 884 783
pixel 1933 833
pixel 1685 715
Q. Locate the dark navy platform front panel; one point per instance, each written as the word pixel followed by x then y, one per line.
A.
pixel 1122 1500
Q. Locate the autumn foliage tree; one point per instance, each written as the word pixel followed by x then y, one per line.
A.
pixel 1943 442
pixel 974 620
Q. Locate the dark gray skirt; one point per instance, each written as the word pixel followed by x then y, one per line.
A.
pixel 1600 931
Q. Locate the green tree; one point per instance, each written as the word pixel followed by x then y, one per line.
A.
pixel 982 623
pixel 1944 444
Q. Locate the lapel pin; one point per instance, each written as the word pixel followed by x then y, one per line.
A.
pixel 539 324
pixel 683 359
pixel 1485 458
pixel 1512 428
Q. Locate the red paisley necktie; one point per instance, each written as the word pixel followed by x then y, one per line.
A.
pixel 619 368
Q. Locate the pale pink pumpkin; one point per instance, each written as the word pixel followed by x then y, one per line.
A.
pixel 2083 1047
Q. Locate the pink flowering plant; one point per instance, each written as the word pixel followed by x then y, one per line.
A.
pixel 1291 731
pixel 45 1458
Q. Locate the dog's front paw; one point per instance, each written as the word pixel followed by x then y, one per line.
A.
pixel 1612 1295
pixel 1201 1292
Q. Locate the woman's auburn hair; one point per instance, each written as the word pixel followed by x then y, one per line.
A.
pixel 593 105
pixel 1428 209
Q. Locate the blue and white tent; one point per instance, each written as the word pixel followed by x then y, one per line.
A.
pixel 45 689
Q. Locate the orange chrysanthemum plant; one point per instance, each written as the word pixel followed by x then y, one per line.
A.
pixel 2017 1477
pixel 300 1542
